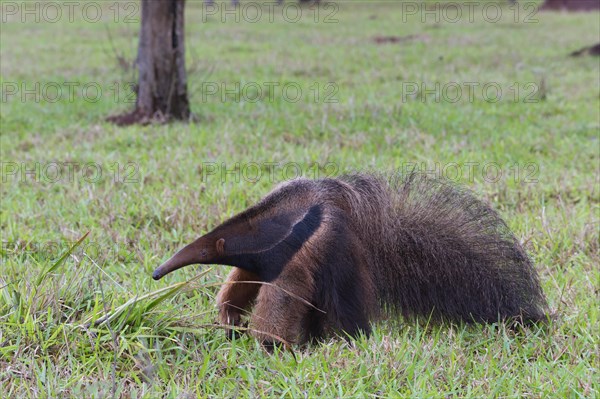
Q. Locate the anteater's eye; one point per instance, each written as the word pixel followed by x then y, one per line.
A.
pixel 203 253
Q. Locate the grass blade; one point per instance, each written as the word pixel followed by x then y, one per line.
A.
pixel 61 260
pixel 159 296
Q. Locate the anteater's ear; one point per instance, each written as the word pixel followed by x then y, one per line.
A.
pixel 220 246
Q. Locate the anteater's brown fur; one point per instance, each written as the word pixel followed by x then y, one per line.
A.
pixel 362 244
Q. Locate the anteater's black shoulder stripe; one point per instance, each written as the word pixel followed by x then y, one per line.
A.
pixel 273 260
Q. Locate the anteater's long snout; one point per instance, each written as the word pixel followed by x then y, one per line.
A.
pixel 188 255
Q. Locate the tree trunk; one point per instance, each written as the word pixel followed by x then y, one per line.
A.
pixel 162 82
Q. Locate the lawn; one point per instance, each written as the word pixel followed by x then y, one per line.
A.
pixel 494 103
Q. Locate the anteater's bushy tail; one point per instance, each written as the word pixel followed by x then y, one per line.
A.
pixel 440 252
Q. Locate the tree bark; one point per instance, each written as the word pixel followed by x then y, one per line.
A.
pixel 162 81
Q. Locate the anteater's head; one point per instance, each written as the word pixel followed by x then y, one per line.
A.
pixel 261 239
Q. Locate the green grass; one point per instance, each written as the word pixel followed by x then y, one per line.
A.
pixel 167 346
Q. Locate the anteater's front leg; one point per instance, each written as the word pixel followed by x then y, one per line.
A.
pixel 281 307
pixel 235 298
